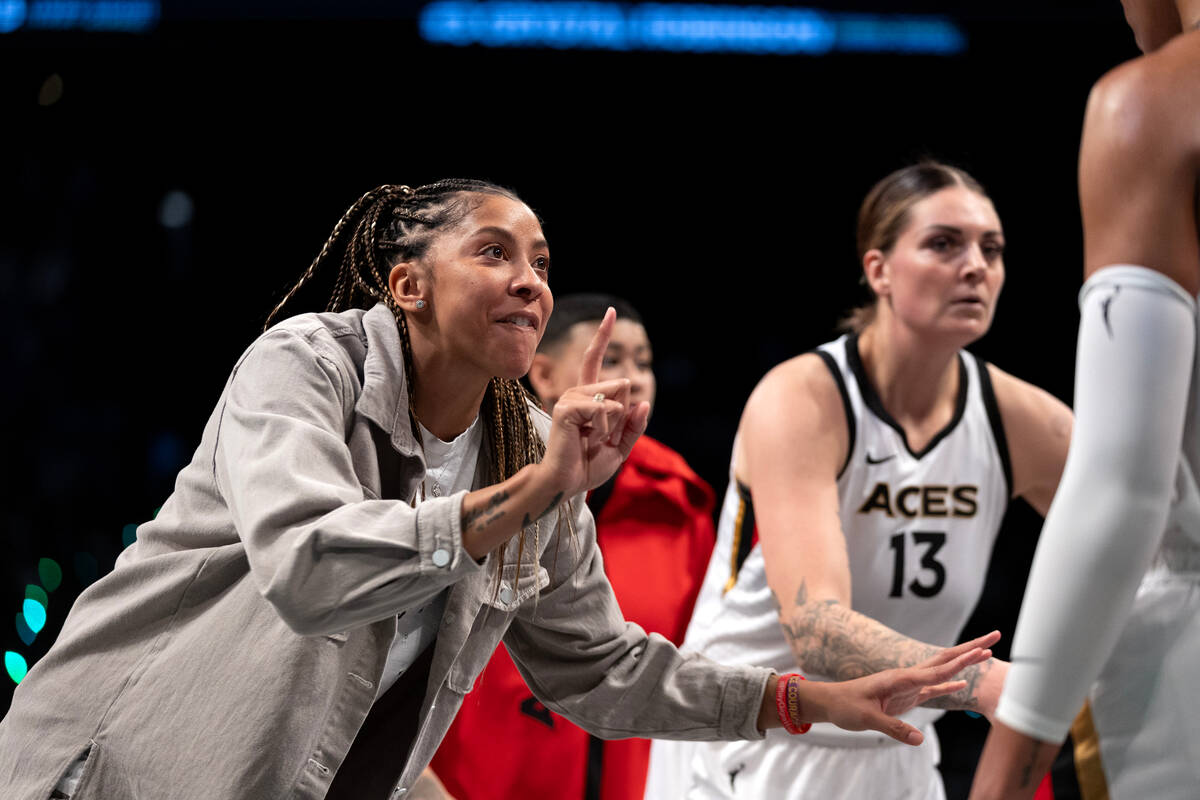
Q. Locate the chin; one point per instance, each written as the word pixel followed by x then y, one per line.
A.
pixel 960 331
pixel 513 370
pixel 971 330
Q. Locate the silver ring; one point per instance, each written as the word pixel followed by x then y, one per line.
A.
pixel 598 397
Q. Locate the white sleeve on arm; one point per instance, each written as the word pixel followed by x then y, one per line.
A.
pixel 1132 374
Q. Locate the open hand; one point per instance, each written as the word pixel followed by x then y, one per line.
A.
pixel 872 702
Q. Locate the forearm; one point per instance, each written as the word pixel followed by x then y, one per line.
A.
pixel 1012 765
pixel 492 515
pixel 1136 332
pixel 837 642
pixel 580 657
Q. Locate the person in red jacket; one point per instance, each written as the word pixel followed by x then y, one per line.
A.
pixel 654 526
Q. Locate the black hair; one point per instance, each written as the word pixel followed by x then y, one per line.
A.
pixel 572 309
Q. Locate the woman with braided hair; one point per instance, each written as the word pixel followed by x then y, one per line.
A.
pixel 373 505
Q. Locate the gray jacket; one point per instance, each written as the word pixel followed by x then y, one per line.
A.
pixel 235 649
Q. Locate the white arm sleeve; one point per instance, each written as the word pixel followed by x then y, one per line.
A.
pixel 1133 370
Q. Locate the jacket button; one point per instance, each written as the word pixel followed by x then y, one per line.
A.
pixel 440 558
pixel 506 594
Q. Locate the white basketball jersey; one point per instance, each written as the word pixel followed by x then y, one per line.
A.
pixel 919 526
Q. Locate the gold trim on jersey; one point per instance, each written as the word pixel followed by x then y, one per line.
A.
pixel 743 520
pixel 737 542
pixel 1088 768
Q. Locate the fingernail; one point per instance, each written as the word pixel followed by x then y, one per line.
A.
pixel 914 737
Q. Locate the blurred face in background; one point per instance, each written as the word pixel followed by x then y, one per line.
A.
pixel 556 369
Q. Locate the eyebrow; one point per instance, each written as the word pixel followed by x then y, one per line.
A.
pixel 493 230
pixel 959 231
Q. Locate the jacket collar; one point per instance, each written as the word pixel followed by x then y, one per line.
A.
pixel 384 398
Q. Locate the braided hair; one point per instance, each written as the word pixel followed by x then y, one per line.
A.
pixel 393 223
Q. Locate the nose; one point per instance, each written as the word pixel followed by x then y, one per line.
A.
pixel 976 264
pixel 640 379
pixel 527 283
pixel 639 384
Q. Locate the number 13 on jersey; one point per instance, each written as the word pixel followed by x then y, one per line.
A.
pixel 931 576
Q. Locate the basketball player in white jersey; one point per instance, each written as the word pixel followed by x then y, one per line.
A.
pixel 1112 608
pixel 868 482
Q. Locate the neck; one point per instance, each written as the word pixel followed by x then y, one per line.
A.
pixel 1189 14
pixel 913 376
pixel 445 400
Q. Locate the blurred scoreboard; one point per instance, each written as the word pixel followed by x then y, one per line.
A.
pixel 556 24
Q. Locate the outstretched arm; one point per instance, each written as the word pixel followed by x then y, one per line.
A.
pixel 872 702
pixel 1137 183
pixel 793 439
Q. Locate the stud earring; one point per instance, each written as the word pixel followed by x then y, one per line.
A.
pixel 420 304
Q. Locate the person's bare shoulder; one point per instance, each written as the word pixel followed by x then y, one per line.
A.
pixel 796 407
pixel 1142 102
pixel 803 379
pixel 1139 164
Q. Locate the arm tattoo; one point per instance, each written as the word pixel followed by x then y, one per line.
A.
pixel 1027 776
pixel 839 643
pixel 553 505
pixel 489 519
pixel 469 517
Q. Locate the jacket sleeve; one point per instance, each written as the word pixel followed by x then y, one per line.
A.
pixel 583 660
pixel 324 556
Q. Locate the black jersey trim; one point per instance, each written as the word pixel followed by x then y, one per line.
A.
pixel 993 415
pixel 841 385
pixel 871 398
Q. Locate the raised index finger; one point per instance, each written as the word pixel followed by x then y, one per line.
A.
pixel 593 357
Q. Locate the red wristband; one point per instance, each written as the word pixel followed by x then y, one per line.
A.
pixel 787 703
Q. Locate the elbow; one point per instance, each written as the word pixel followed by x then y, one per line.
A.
pixel 806 627
pixel 1109 527
pixel 1134 467
pixel 300 614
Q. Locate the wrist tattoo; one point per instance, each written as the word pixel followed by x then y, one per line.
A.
pixel 488 520
pixel 833 640
pixel 496 499
pixel 553 505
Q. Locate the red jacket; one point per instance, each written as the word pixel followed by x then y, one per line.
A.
pixel 655 531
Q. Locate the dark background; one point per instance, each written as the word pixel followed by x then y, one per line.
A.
pixel 716 192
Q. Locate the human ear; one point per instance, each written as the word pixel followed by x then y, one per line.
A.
pixel 877 272
pixel 406 287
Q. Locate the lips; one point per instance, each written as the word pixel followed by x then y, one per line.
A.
pixel 971 299
pixel 520 319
